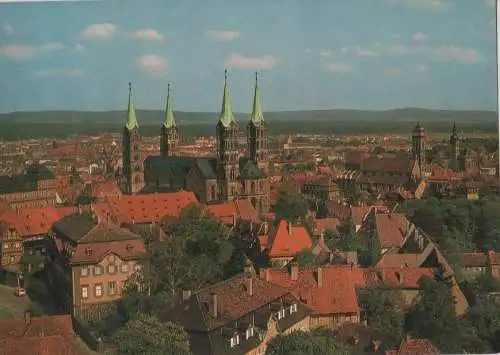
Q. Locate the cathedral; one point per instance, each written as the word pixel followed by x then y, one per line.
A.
pixel 226 177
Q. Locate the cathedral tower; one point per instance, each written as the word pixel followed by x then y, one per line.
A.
pixel 227 149
pixel 418 138
pixel 455 148
pixel 257 133
pixel 169 132
pixel 132 172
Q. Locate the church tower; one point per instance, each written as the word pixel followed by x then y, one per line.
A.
pixel 455 148
pixel 257 133
pixel 227 149
pixel 132 172
pixel 418 138
pixel 169 132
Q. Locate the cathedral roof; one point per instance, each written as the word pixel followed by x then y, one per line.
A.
pixel 226 115
pixel 249 171
pixel 169 113
pixel 131 118
pixel 257 116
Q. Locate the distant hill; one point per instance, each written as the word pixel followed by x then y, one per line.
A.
pixel 149 117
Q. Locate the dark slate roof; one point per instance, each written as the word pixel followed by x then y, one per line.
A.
pixel 207 167
pixel 180 166
pixel 75 226
pixel 237 309
pixel 37 172
pixel 249 171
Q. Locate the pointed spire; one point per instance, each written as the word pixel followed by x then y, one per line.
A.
pixel 131 118
pixel 169 112
pixel 454 129
pixel 226 114
pixel 257 116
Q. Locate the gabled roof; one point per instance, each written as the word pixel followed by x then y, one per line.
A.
pixel 400 165
pixel 226 117
pixel 131 118
pixel 287 240
pixel 250 171
pixel 391 229
pixel 411 346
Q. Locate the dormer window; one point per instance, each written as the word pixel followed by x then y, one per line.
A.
pixel 88 251
pixel 249 332
pixel 281 314
pixel 235 340
pixel 293 308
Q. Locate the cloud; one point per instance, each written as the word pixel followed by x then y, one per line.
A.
pixel 435 5
pixel 148 34
pixel 422 68
pixel 455 53
pixel 393 71
pixel 337 67
pixel 8 29
pixel 239 61
pixel 419 36
pixel 100 31
pixel 23 51
pixel 153 64
pixel 308 50
pixel 79 48
pixel 223 36
pixel 325 53
pixel 400 49
pixel 66 73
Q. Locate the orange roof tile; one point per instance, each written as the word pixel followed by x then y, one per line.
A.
pixel 391 228
pixel 288 241
pixel 246 210
pixel 149 208
pixel 224 212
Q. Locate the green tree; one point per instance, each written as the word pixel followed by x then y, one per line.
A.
pixel 306 258
pixel 384 308
pixel 484 318
pixel 146 335
pixel 434 317
pixel 299 343
pixel 290 205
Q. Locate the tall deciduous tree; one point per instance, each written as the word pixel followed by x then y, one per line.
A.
pixel 146 335
pixel 290 205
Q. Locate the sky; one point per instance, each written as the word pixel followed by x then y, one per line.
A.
pixel 321 54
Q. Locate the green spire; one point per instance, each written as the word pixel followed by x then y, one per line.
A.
pixel 131 119
pixel 169 113
pixel 257 116
pixel 226 115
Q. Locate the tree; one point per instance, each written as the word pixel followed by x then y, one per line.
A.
pixel 484 318
pixel 434 317
pixel 299 343
pixel 306 258
pixel 384 308
pixel 290 205
pixel 147 335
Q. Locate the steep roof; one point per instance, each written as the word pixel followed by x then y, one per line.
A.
pixel 169 113
pixel 391 229
pixel 131 118
pixel 399 165
pixel 257 115
pixel 249 171
pixel 411 346
pixel 226 115
pixel 288 240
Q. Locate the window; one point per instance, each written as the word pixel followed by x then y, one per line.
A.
pixel 6 246
pixel 98 290
pixel 85 271
pixel 281 314
pixel 137 267
pixel 18 245
pixel 97 270
pixel 235 340
pixel 293 308
pixel 124 267
pixel 85 292
pixel 111 269
pixel 112 288
pixel 249 333
pixel 12 259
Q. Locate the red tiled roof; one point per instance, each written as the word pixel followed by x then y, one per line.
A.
pixel 358 213
pixel 246 210
pixel 391 229
pixel 104 189
pixel 149 208
pixel 321 225
pixel 399 165
pixel 289 241
pixel 126 250
pixel 417 346
pixel 224 212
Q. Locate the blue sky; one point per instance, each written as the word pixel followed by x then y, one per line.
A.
pixel 321 54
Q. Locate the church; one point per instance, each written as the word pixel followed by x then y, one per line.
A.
pixel 226 177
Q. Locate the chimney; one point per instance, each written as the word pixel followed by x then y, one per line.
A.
pixel 108 217
pixel 376 345
pixel 266 228
pixel 289 228
pixel 213 304
pixel 249 280
pixel 294 271
pixel 79 209
pixel 133 220
pixel 186 294
pixel 91 207
pixel 27 317
pixel 266 274
pixel 319 276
